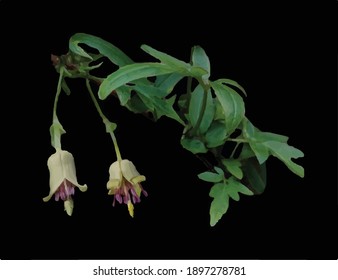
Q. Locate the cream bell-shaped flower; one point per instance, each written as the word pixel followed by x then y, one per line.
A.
pixel 124 184
pixel 63 179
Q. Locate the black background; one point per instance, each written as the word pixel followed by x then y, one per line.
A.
pixel 279 54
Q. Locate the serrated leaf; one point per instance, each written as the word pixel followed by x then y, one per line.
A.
pixel 254 175
pixel 195 146
pixel 105 48
pixel 210 177
pixel 220 203
pixel 131 73
pixel 200 59
pixel 285 153
pixel 216 135
pixel 196 107
pixel 234 167
pixel 232 104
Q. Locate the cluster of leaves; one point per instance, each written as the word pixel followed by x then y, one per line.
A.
pixel 212 113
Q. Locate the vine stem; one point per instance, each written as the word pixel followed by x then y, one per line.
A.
pixel 58 91
pixel 238 140
pixel 105 120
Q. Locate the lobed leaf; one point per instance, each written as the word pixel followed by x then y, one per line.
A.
pixel 210 177
pixel 220 193
pixel 234 167
pixel 130 73
pixel 179 66
pixel 105 48
pixel 195 146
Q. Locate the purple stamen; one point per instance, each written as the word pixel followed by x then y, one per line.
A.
pixel 65 191
pixel 118 198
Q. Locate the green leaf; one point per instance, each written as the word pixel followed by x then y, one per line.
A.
pixel 136 105
pixel 285 153
pixel 161 107
pixel 124 94
pixel 234 187
pixel 150 90
pixel 232 83
pixel 216 135
pixel 254 175
pixel 234 167
pixel 268 136
pixel 165 58
pixel 131 73
pixel 193 145
pixel 107 49
pixel 232 104
pixel 257 138
pixel 260 150
pixel 56 130
pixel 200 59
pixel 246 152
pixel 265 143
pixel 196 107
pixel 179 66
pixel 219 171
pixel 65 87
pixel 220 203
pixel 210 177
pixel 167 82
pixel 253 133
pixel 220 193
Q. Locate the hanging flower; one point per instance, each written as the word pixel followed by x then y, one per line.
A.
pixel 63 179
pixel 124 184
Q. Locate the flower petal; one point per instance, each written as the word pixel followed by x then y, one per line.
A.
pixel 113 184
pixel 69 205
pixel 129 171
pixel 61 167
pixel 130 209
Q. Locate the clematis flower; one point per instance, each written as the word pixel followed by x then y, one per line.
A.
pixel 63 179
pixel 124 184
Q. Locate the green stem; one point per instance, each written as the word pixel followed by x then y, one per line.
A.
pixel 56 129
pixel 234 150
pixel 238 140
pixel 105 120
pixel 58 91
